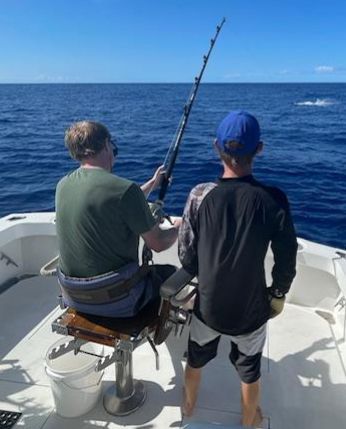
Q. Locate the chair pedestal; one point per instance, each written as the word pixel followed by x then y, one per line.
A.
pixel 127 394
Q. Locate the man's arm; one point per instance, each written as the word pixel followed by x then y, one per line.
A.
pixel 284 246
pixel 187 247
pixel 159 239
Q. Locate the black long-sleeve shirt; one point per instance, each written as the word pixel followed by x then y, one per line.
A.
pixel 226 230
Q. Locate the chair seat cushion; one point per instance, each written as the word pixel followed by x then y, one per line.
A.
pixel 105 330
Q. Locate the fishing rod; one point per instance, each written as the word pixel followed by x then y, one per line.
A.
pixel 173 150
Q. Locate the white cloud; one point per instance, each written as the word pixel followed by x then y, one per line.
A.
pixel 44 78
pixel 325 69
pixel 232 76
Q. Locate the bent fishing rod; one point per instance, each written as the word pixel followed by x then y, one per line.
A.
pixel 173 150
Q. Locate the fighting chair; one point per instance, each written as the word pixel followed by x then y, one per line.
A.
pixel 153 324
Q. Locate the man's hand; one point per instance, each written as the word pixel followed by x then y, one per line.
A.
pixel 177 221
pixel 154 182
pixel 157 177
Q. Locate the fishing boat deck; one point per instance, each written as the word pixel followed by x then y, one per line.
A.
pixel 304 379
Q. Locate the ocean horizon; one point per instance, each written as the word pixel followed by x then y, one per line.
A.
pixel 177 83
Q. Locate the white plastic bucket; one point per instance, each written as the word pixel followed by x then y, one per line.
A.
pixel 76 386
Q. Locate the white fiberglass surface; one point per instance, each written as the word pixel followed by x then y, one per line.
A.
pixel 303 377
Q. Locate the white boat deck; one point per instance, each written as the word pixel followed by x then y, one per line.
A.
pixel 303 374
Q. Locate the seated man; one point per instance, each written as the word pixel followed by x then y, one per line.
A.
pixel 99 219
pixel 224 237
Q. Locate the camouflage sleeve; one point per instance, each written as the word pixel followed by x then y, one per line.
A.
pixel 188 234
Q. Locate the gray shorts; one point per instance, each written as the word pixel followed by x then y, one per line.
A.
pixel 246 350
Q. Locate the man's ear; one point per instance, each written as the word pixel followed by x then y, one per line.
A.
pixel 259 147
pixel 216 147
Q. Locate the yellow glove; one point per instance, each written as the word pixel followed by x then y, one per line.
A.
pixel 276 306
pixel 277 301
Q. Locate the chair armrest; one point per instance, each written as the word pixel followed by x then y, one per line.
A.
pixel 50 269
pixel 175 283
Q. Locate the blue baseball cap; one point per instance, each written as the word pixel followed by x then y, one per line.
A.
pixel 239 127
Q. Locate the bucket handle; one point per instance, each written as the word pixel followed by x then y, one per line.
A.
pixel 51 374
pixel 79 388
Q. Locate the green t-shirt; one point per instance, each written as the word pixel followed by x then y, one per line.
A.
pixel 99 217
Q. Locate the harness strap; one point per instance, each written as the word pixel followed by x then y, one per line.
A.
pixel 102 289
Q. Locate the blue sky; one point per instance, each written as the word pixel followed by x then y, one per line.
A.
pixel 164 40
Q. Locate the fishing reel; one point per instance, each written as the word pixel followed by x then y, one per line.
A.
pixel 156 209
pixel 159 216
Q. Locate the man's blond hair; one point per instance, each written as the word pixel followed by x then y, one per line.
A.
pixel 86 139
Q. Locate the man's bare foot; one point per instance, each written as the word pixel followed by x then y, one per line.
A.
pixel 257 422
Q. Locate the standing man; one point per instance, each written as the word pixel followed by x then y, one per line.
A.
pixel 224 237
pixel 99 219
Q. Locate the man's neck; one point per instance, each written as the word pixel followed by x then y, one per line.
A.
pixel 91 164
pixel 235 172
pixel 96 167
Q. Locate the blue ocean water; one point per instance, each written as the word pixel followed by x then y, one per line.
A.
pixel 303 128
